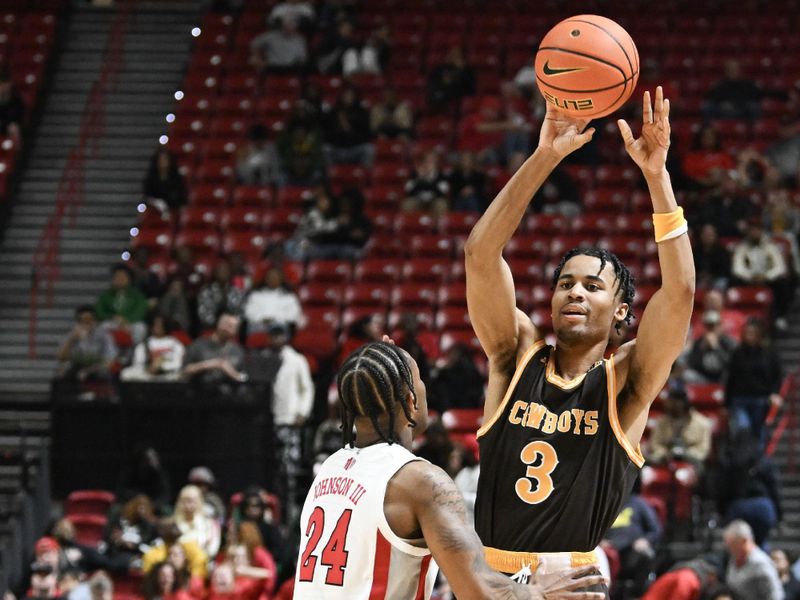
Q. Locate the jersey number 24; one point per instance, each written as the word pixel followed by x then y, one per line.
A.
pixel 334 554
pixel 538 470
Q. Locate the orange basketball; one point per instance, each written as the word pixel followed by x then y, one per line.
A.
pixel 587 66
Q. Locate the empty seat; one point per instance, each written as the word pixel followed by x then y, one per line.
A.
pixel 88 502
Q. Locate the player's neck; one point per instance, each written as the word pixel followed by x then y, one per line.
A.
pixel 573 360
pixel 367 436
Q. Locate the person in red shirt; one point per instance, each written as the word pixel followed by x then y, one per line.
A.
pixel 687 581
pixel 707 158
pixel 162 583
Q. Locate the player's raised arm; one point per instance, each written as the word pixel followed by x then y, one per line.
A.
pixel 645 363
pixel 423 497
pixel 490 286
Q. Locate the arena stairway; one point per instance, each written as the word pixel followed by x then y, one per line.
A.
pixel 154 55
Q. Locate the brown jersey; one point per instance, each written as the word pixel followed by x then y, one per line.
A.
pixel 556 466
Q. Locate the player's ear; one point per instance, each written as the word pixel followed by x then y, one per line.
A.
pixel 621 312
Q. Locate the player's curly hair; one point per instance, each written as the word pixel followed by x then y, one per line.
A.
pixel 371 382
pixel 626 283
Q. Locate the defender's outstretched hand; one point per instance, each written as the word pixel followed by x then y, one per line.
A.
pixel 563 134
pixel 650 150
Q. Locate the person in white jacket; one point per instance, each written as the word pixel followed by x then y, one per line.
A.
pixel 158 358
pixel 271 303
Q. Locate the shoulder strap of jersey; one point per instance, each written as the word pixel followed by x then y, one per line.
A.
pixel 383 525
pixel 635 454
pixel 517 374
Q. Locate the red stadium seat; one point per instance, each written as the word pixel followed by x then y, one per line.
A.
pixel 331 271
pixel 314 316
pixel 458 223
pixel 749 297
pixel 528 271
pixel 366 294
pixel 201 241
pixel 199 217
pixel 411 295
pixel 316 340
pixel 242 219
pixel 282 221
pixel 89 529
pixel 252 195
pixel 248 243
pixel 88 502
pixel 377 271
pixel 463 420
pixel 320 294
pixel 453 294
pixel 706 396
pixel 430 270
pixel 451 318
pixel 390 175
pixel 423 246
pixel 467 338
pixel 414 223
pixel 425 320
pixel 209 195
pixel 356 313
pixel 528 247
pixel 158 242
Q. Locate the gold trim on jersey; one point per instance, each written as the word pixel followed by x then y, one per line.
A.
pixel 611 381
pixel 552 377
pixel 511 386
pixel 506 561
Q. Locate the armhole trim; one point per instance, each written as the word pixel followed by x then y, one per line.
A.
pixel 386 531
pixel 517 374
pixel 635 454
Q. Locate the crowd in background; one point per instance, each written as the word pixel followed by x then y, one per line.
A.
pixel 193 326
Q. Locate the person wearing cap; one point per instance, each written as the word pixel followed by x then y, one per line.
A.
pixel 681 433
pixel 213 506
pixel 48 551
pixel 711 352
pixel 44 582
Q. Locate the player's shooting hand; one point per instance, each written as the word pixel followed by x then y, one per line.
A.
pixel 563 134
pixel 649 151
pixel 569 585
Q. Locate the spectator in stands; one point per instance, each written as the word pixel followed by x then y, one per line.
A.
pixel 347 133
pixel 468 185
pixel 254 567
pixel 73 554
pixel 297 11
pixel 174 305
pixel 213 505
pixel 364 330
pixel 133 529
pixel 328 436
pixel 437 446
pixel 315 228
pixel 257 160
pixel 145 474
pixel 467 483
pixel 409 339
pixel 72 585
pixel 712 261
pixel 12 108
pixel 392 116
pixel 733 320
pixel 706 159
pixel 158 358
pixel 162 583
pixel 88 352
pixel 498 136
pixel 634 536
pixel 791 586
pixel 282 50
pixel 754 380
pixel 44 582
pixel 253 510
pixel 122 306
pixel 784 154
pixel 143 277
pixel 726 207
pixel 711 353
pixel 782 217
pixel 164 185
pixel 681 434
pixel 194 524
pixel 185 270
pixel 749 487
pixel 558 195
pixel 456 381
pixel 217 358
pixel 220 295
pixel 750 573
pixel 353 228
pixel 721 592
pixel 733 97
pixel 371 57
pixel 757 260
pixel 169 535
pixel 273 302
pixel 686 580
pixel 47 550
pixel 334 45
pixel 450 81
pixel 428 189
pixel 300 148
pixel 101 586
pixel 195 585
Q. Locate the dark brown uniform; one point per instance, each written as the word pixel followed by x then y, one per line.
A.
pixel 556 466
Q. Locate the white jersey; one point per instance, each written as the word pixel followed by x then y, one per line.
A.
pixel 347 549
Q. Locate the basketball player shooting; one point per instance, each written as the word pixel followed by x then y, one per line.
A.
pixel 562 425
pixel 376 514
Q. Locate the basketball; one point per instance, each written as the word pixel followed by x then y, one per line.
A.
pixel 587 66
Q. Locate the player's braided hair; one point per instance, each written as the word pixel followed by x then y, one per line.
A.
pixel 371 381
pixel 626 284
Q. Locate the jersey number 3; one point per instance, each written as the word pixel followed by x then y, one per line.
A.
pixel 334 555
pixel 542 460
